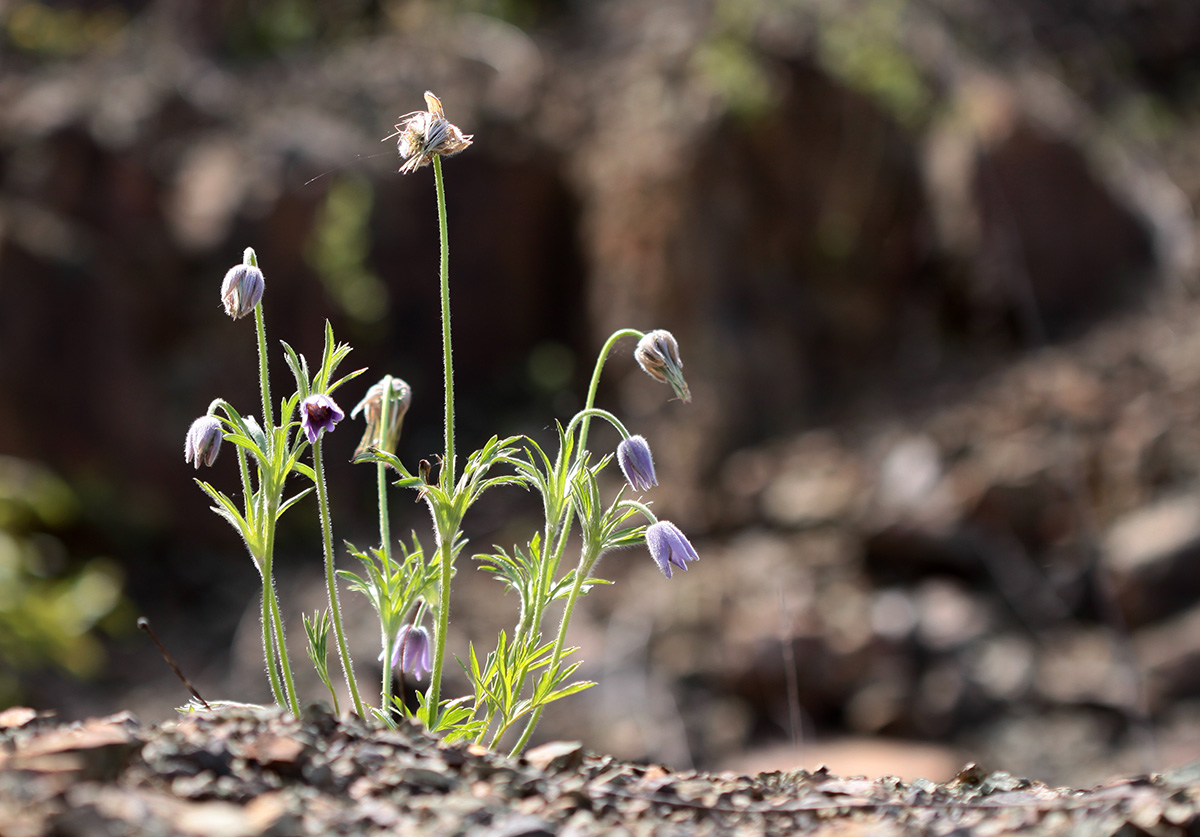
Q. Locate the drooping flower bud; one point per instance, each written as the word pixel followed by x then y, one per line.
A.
pixel 317 413
pixel 633 455
pixel 203 441
pixel 658 355
pixel 669 547
pixel 396 395
pixel 411 653
pixel 425 134
pixel 242 288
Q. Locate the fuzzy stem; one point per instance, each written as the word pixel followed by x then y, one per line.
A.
pixel 385 546
pixel 586 561
pixel 595 384
pixel 331 577
pixel 446 562
pixel 272 600
pixel 448 465
pixel 268 637
pixel 385 688
pixel 267 522
pixel 263 377
pixel 585 415
pixel 447 474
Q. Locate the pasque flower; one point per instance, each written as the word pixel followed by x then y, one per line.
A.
pixel 241 290
pixel 203 441
pixel 669 547
pixel 411 653
pixel 658 355
pixel 425 134
pixel 317 413
pixel 397 394
pixel 633 455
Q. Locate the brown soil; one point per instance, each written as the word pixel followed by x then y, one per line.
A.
pixel 242 771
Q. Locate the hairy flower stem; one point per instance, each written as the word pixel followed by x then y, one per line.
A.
pixel 268 636
pixel 595 384
pixel 331 577
pixel 385 546
pixel 550 566
pixel 446 564
pixel 273 638
pixel 586 561
pixel 555 551
pixel 446 476
pixel 272 602
pixel 263 377
pixel 448 464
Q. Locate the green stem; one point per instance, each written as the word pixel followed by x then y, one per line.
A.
pixel 595 384
pixel 268 636
pixel 586 562
pixel 446 562
pixel 551 558
pixel 265 386
pixel 385 688
pixel 585 415
pixel 385 547
pixel 448 466
pixel 446 476
pixel 331 577
pixel 267 522
pixel 247 493
pixel 272 598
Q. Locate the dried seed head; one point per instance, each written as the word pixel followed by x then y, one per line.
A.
pixel 424 134
pixel 396 395
pixel 658 355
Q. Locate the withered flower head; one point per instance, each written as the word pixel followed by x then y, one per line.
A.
pixel 658 355
pixel 424 134
pixel 396 395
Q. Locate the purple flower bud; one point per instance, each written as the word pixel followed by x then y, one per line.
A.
pixel 411 653
pixel 317 413
pixel 203 441
pixel 241 290
pixel 633 455
pixel 658 355
pixel 668 546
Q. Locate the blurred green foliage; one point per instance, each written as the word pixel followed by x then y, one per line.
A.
pixel 859 42
pixel 730 64
pixel 273 28
pixel 865 51
pixel 62 30
pixel 50 607
pixel 339 248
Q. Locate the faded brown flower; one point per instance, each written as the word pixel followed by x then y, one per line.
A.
pixel 424 134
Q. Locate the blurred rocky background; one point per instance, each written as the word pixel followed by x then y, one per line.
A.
pixel 932 265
